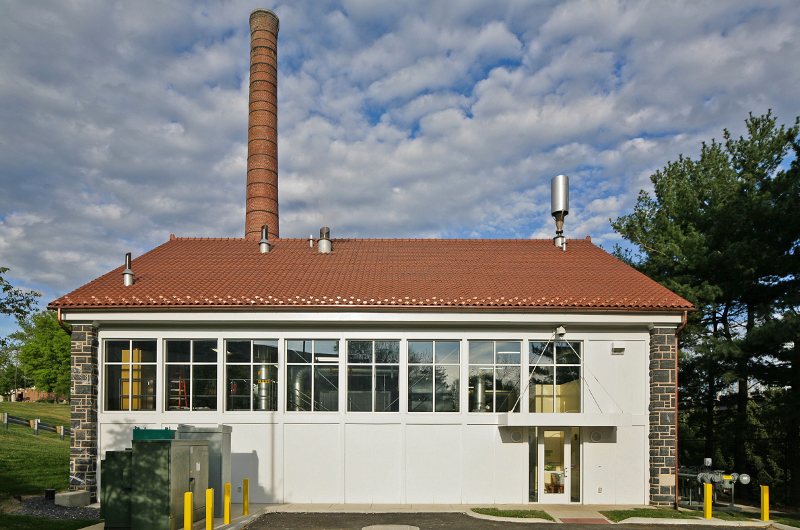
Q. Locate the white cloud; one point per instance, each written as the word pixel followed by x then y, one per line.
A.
pixel 123 122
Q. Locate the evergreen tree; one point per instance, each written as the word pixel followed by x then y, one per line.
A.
pixel 723 232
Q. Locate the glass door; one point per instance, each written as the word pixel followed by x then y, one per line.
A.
pixel 555 458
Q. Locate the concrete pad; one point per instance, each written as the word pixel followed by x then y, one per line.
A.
pixel 390 527
pixel 390 508
pixel 709 522
pixel 73 498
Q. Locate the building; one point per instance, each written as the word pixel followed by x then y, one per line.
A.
pixel 383 371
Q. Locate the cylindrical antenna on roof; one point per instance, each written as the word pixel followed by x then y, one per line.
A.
pixel 324 243
pixel 127 274
pixel 264 245
pixel 559 207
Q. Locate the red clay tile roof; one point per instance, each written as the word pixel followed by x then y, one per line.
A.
pixel 472 273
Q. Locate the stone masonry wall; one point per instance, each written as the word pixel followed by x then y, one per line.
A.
pixel 83 405
pixel 663 436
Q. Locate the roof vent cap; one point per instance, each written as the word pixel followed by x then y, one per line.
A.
pixel 324 243
pixel 264 245
pixel 127 274
pixel 559 207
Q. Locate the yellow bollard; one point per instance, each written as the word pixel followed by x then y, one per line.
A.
pixel 765 503
pixel 708 501
pixel 210 509
pixel 188 510
pixel 226 507
pixel 246 497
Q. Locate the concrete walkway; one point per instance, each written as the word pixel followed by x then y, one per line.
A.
pixel 564 513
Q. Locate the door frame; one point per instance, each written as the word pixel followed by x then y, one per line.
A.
pixel 564 496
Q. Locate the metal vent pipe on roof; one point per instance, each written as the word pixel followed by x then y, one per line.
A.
pixel 127 274
pixel 324 243
pixel 559 207
pixel 264 245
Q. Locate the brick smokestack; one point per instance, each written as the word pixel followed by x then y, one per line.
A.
pixel 262 135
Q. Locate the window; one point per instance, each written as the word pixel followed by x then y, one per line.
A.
pixel 251 375
pixel 494 376
pixel 373 376
pixel 191 374
pixel 130 367
pixel 555 377
pixel 433 376
pixel 312 375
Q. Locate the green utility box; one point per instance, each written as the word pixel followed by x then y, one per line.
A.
pixel 162 471
pixel 153 434
pixel 219 457
pixel 115 494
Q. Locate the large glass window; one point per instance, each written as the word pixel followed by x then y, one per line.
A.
pixel 494 376
pixel 191 367
pixel 130 375
pixel 373 376
pixel 433 376
pixel 251 380
pixel 312 375
pixel 555 377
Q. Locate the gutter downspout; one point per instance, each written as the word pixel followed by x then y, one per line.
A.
pixel 677 332
pixel 61 323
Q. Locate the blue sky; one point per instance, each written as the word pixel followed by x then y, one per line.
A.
pixel 124 122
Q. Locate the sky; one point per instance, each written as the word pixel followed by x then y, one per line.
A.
pixel 122 122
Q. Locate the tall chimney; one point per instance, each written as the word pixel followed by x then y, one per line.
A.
pixel 262 135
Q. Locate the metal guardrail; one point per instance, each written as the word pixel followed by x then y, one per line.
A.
pixel 35 425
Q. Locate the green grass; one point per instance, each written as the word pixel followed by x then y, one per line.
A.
pixel 48 413
pixel 790 519
pixel 21 522
pixel 652 513
pixel 30 464
pixel 524 514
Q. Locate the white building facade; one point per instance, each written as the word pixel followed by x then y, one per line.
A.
pixel 396 407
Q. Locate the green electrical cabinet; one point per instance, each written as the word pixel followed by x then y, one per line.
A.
pixel 162 471
pixel 115 493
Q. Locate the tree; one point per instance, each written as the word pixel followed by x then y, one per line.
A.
pixel 14 302
pixel 44 351
pixel 723 231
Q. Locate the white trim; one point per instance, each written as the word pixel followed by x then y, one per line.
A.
pixel 484 317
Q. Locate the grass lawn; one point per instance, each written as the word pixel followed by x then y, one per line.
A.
pixel 525 514
pixel 48 413
pixel 653 513
pixel 30 464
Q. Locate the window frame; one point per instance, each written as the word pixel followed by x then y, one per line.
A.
pixel 130 363
pixel 192 407
pixel 433 364
pixel 555 367
pixel 274 392
pixel 313 364
pixel 374 367
pixel 495 367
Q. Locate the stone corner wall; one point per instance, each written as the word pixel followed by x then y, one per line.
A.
pixel 83 413
pixel 663 408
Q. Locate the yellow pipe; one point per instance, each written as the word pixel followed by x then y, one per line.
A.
pixel 246 497
pixel 765 503
pixel 188 512
pixel 227 504
pixel 707 502
pixel 210 509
